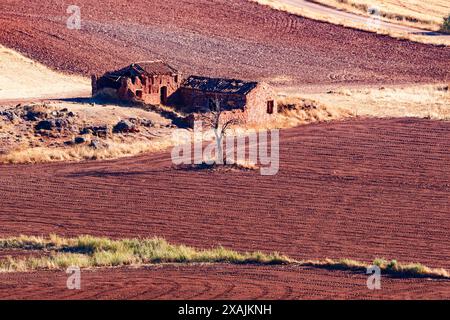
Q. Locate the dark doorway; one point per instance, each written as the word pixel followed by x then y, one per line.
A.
pixel 211 104
pixel 270 106
pixel 163 95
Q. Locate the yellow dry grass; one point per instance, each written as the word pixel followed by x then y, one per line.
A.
pixel 80 153
pixel 314 15
pixel 419 101
pixel 295 111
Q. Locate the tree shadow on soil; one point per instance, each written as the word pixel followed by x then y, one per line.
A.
pixel 213 167
pixel 104 174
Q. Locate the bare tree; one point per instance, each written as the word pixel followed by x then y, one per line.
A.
pixel 213 119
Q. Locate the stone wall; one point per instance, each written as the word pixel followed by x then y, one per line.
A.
pixel 192 100
pixel 257 104
pixel 146 89
pixel 247 109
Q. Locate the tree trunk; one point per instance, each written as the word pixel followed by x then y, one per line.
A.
pixel 219 149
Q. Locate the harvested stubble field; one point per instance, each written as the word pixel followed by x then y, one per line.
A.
pixel 232 38
pixel 354 189
pixel 221 281
pixel 423 14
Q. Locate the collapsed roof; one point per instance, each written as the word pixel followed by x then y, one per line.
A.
pixel 219 85
pixel 150 68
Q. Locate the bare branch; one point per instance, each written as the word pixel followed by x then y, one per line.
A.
pixel 213 120
pixel 227 124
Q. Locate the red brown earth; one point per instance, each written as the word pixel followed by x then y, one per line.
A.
pixel 187 282
pixel 232 38
pixel 357 189
pixel 21 254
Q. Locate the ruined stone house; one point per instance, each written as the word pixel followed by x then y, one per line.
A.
pixel 158 83
pixel 152 82
pixel 249 102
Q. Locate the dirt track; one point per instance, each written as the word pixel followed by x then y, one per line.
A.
pixel 357 189
pixel 216 282
pixel 233 38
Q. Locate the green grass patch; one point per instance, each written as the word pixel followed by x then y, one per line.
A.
pixel 89 251
pixel 392 267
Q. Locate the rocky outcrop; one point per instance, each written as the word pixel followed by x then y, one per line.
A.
pixel 125 126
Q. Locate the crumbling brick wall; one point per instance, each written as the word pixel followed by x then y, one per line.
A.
pixel 247 109
pixel 192 100
pixel 157 89
pixel 256 108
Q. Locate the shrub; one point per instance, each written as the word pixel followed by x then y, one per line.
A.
pixel 446 25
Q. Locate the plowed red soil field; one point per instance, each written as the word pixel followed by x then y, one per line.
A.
pixel 232 38
pixel 356 189
pixel 216 282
